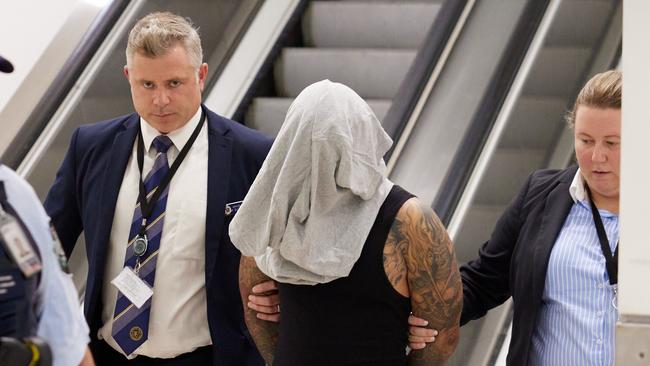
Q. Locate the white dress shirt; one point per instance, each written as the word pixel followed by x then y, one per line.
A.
pixel 178 320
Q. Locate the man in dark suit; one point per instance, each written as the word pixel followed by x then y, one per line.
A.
pixel 154 193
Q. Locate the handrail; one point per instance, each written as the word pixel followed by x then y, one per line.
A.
pixel 479 129
pixel 416 79
pixel 62 84
pixel 234 40
pixel 287 36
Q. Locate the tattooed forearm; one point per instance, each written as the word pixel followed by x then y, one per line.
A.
pixel 264 333
pixel 433 278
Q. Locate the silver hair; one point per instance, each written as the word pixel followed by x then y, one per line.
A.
pixel 155 34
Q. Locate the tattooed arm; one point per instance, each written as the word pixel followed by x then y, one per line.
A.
pixel 265 334
pixel 432 276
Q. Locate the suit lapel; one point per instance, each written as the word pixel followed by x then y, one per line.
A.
pixel 556 209
pixel 114 169
pixel 219 159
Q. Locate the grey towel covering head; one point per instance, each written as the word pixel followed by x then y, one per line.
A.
pixel 310 209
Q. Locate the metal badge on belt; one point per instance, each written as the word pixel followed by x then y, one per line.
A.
pixel 232 208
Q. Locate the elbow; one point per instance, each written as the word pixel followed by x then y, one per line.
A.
pixel 450 338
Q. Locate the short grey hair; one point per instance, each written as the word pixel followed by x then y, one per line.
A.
pixel 155 34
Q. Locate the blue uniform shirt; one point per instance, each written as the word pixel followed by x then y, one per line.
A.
pixel 60 319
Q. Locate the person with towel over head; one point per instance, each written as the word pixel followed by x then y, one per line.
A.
pixel 353 253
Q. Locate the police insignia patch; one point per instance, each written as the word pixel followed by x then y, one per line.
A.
pixel 135 333
pixel 58 250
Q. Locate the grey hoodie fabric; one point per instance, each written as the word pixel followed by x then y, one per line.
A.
pixel 308 213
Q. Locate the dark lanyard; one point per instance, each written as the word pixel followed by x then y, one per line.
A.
pixel 3 194
pixel 9 209
pixel 146 207
pixel 610 261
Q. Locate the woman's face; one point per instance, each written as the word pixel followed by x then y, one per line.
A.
pixel 598 150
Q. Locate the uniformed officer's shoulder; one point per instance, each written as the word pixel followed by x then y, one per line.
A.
pixel 7 173
pixel 26 202
pixel 14 183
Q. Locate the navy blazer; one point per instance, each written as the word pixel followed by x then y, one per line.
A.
pixel 515 259
pixel 84 195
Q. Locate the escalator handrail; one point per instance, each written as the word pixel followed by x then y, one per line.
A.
pixel 289 30
pixel 467 154
pixel 62 84
pixel 415 80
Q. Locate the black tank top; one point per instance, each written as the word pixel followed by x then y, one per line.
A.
pixel 356 320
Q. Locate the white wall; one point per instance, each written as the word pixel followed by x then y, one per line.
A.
pixel 634 261
pixel 27 28
pixel 38 37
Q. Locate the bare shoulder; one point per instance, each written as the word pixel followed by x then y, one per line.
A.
pixel 432 275
pixel 416 228
pixel 395 250
pixel 422 226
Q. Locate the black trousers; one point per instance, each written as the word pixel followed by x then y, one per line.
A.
pixel 105 355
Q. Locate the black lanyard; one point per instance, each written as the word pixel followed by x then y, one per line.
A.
pixel 3 194
pixel 9 210
pixel 146 207
pixel 610 261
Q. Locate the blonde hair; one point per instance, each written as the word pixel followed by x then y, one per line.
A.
pixel 155 34
pixel 603 91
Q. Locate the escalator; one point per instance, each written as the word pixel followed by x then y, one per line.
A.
pixel 472 92
pixel 370 56
pixel 524 133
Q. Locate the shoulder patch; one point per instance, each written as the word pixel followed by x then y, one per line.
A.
pixel 58 250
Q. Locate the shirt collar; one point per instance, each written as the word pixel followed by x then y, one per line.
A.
pixel 579 194
pixel 577 188
pixel 179 137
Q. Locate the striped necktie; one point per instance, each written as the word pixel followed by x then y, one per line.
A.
pixel 130 324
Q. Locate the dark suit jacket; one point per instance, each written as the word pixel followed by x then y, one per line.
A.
pixel 84 196
pixel 515 259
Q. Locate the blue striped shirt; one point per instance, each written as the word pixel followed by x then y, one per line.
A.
pixel 577 319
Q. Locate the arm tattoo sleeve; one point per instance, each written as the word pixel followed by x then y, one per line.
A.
pixel 264 333
pixel 434 281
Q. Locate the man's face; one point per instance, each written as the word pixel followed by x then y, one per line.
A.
pixel 166 90
pixel 598 148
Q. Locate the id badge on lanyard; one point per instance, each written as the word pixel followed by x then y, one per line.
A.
pixel 16 242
